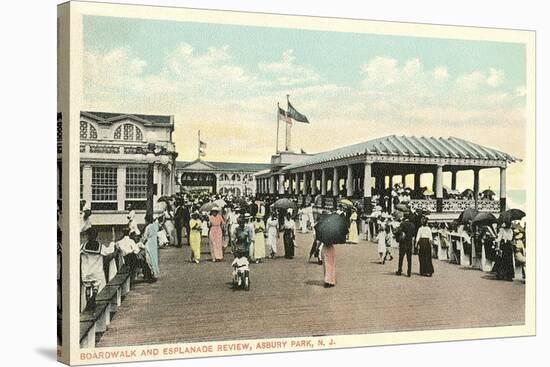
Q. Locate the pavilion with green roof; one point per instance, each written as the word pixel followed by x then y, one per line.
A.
pixel 374 163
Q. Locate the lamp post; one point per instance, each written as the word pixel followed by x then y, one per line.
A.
pixel 154 154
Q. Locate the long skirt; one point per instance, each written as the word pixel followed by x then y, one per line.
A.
pixel 153 254
pixel 425 257
pixel 259 246
pixel 170 232
pixel 504 266
pixel 272 243
pixel 289 243
pixel 353 235
pixel 303 223
pixel 329 263
pixel 216 242
pixel 195 242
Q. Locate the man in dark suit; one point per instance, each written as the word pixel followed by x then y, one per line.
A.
pixel 178 222
pixel 405 235
pixel 186 217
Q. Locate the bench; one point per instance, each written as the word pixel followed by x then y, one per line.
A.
pixel 96 319
pixel 100 315
pixel 87 334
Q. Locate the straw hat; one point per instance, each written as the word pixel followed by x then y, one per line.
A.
pixel 259 216
pixel 215 209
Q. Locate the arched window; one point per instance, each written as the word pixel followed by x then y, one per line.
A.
pixel 128 132
pixel 87 130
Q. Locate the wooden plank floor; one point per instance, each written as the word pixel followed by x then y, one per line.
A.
pixel 194 302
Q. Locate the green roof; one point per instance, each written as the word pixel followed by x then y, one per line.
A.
pixel 409 146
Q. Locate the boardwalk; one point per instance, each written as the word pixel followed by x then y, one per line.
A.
pixel 195 302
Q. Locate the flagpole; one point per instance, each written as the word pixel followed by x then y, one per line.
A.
pixel 287 129
pixel 199 146
pixel 277 144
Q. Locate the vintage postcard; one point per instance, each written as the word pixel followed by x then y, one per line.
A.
pixel 237 183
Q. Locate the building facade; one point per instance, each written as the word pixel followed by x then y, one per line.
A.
pixel 114 166
pixel 218 177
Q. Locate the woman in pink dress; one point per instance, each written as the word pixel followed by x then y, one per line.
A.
pixel 329 262
pixel 216 234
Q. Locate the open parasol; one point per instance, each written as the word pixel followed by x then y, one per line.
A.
pixel 220 202
pixel 207 207
pixel 511 215
pixel 402 207
pixel 332 229
pixel 345 202
pixel 284 203
pixel 484 218
pixel 467 215
pixel 166 199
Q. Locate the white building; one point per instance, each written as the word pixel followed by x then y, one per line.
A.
pixel 218 177
pixel 113 166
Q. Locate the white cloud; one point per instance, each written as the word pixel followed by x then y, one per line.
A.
pixel 441 73
pixel 521 91
pixel 287 72
pixel 471 81
pixel 495 78
pixel 112 71
pixel 209 90
pixel 480 79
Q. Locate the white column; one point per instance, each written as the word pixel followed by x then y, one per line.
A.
pixel 502 193
pixel 290 181
pixel 272 184
pixel 349 181
pixel 304 186
pixel 439 182
pixel 313 183
pixel 417 176
pixel 367 190
pixel 121 187
pixel 476 186
pixel 281 184
pixel 453 180
pixel 157 181
pixel 324 182
pixel 87 184
pixel 335 183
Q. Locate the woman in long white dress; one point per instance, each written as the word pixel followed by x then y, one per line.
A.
pixel 272 229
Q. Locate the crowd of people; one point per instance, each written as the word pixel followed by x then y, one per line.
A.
pixel 252 228
pixel 501 242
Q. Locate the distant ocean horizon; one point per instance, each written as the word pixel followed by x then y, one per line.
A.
pixel 514 198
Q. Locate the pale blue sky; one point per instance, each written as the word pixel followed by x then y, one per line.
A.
pixel 332 54
pixel 226 81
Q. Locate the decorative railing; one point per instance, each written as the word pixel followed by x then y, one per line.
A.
pixel 110 148
pixel 426 205
pixel 455 205
pixel 488 206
